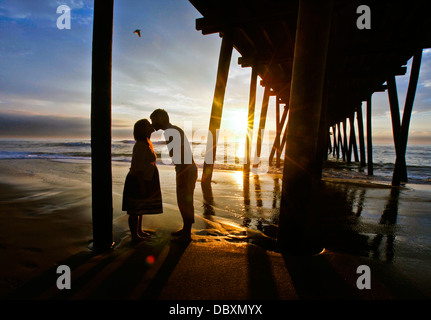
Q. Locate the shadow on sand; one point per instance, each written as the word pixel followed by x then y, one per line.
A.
pixel 143 270
pixel 129 271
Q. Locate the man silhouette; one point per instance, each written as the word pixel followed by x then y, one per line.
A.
pixel 185 168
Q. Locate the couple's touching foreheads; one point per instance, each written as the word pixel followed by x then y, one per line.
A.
pixel 142 191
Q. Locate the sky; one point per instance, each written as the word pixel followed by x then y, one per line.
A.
pixel 45 73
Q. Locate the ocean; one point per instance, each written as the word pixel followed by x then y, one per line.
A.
pixel 230 155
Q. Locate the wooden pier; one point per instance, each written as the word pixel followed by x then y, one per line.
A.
pixel 323 60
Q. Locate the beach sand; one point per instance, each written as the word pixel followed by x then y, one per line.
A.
pixel 45 221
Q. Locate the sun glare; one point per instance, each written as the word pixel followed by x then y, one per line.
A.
pixel 237 122
pixel 240 151
pixel 239 177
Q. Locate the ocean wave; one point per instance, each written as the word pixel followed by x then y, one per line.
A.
pixel 418 157
pixel 126 141
pixel 72 144
pixel 13 155
pixel 159 142
pixel 41 155
pixel 129 142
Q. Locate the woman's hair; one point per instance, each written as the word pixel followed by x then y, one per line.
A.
pixel 140 130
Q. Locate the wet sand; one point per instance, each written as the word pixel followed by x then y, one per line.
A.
pixel 45 221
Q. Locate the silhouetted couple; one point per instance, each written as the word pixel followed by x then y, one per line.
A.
pixel 142 193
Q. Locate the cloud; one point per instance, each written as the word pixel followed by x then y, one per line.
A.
pixel 17 124
pixel 43 12
pixel 32 125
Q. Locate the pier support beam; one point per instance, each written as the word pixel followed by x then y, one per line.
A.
pixel 101 171
pixel 345 143
pixel 369 139
pixel 263 113
pixel 250 122
pixel 361 136
pixel 217 106
pixel 352 139
pixel 334 138
pixel 277 140
pixel 340 142
pixel 396 124
pixel 306 99
pixel 400 162
pixel 337 142
pixel 278 146
pixel 328 145
pixel 322 139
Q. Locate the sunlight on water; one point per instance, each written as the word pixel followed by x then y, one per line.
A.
pixel 239 178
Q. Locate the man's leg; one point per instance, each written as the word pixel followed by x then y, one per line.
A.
pixel 185 191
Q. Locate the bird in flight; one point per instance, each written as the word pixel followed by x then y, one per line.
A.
pixel 138 32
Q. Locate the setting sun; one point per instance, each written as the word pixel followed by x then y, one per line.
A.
pixel 236 121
